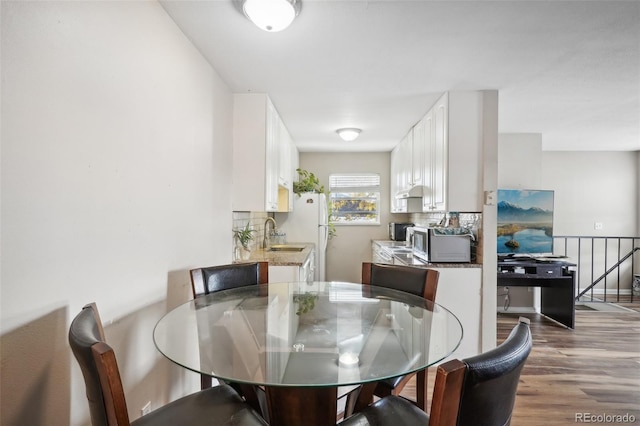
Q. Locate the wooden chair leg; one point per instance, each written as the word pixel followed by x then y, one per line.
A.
pixel 205 381
pixel 421 389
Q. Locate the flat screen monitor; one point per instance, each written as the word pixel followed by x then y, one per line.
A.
pixel 525 222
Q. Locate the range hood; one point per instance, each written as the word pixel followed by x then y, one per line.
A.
pixel 417 191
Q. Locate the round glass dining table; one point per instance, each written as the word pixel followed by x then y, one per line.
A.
pixel 303 340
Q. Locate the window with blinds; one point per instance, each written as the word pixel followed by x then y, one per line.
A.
pixel 355 198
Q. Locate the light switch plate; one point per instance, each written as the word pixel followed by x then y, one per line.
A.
pixel 490 198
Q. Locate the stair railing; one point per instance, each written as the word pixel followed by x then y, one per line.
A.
pixel 615 256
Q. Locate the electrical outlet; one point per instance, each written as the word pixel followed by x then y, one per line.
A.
pixel 597 225
pixel 146 409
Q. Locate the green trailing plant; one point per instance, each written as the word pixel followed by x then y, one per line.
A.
pixel 244 235
pixel 306 302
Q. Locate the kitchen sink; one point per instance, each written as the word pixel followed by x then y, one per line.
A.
pixel 284 247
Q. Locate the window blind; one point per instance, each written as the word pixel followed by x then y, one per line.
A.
pixel 360 182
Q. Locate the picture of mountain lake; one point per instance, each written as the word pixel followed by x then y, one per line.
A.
pixel 525 221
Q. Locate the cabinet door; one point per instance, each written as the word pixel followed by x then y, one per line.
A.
pixel 405 162
pixel 440 158
pixel 417 153
pixel 284 166
pixel 398 205
pixel 429 136
pixel 294 161
pixel 307 270
pixel 272 157
pixel 436 157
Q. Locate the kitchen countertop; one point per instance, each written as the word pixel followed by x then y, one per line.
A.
pixel 398 249
pixel 281 258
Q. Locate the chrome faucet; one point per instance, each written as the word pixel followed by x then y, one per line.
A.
pixel 265 242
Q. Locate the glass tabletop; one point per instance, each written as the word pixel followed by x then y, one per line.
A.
pixel 307 334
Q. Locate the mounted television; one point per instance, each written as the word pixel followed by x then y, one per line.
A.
pixel 525 222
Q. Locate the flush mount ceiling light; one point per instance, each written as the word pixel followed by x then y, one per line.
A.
pixel 270 15
pixel 348 134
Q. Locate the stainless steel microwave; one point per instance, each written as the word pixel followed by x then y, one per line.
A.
pixel 432 248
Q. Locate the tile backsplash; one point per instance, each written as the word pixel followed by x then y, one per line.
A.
pixel 256 221
pixel 467 220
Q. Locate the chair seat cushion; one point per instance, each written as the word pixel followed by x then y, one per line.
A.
pixel 219 405
pixel 390 410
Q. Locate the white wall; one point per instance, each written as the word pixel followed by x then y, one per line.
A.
pixel 116 153
pixel 592 187
pixel 520 161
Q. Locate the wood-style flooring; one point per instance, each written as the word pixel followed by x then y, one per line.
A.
pixel 571 375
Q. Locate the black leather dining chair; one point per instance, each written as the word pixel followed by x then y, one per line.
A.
pixel 107 402
pixel 480 390
pixel 422 282
pixel 223 277
pixel 212 279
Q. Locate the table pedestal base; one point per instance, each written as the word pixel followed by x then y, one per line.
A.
pixel 290 406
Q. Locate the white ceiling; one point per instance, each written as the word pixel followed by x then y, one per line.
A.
pixel 569 70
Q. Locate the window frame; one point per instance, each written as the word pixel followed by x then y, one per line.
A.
pixel 369 183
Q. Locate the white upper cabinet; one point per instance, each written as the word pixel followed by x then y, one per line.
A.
pixel 449 141
pixel 259 139
pixel 436 157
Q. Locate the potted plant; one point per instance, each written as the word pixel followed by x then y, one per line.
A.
pixel 244 237
pixel 307 182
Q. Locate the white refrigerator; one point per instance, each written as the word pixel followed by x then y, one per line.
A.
pixel 308 223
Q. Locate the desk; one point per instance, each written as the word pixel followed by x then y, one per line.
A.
pixel 556 280
pixel 301 341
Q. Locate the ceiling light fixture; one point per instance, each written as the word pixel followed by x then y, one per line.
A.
pixel 271 15
pixel 349 134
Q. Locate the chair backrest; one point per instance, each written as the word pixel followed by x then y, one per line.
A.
pixel 422 282
pixel 223 277
pixel 481 390
pixel 107 404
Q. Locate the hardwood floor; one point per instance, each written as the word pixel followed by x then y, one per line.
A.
pixel 593 370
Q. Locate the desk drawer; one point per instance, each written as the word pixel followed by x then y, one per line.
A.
pixel 549 271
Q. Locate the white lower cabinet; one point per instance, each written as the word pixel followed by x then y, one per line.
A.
pixel 292 273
